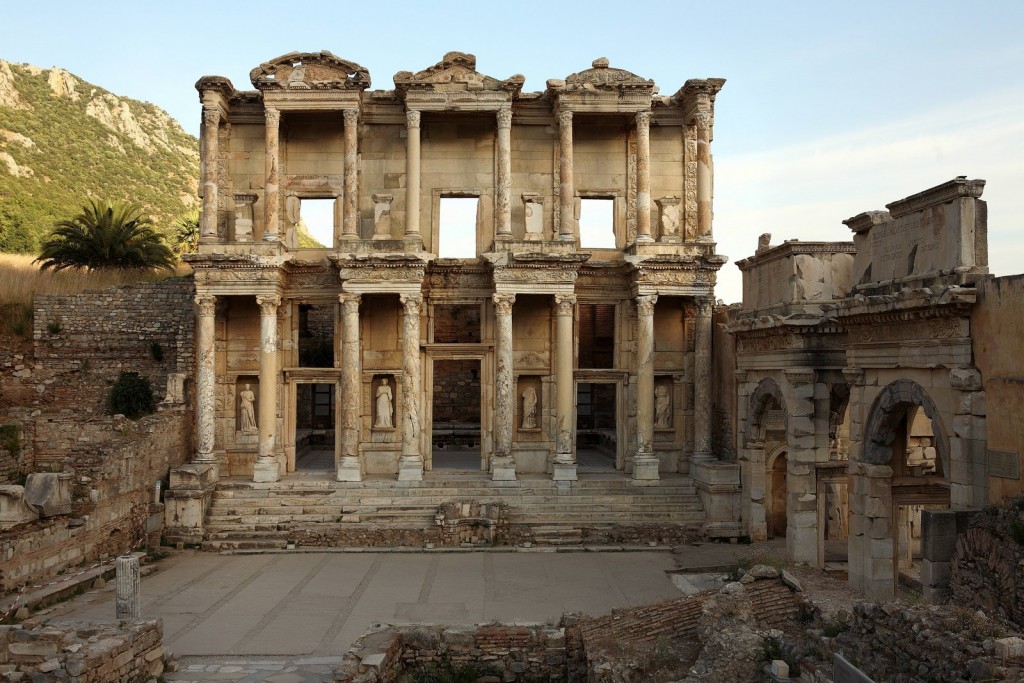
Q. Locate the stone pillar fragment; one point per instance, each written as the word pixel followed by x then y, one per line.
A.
pixel 412 174
pixel 410 465
pixel 643 177
pixel 703 175
pixel 211 150
pixel 382 216
pixel 566 188
pixel 702 380
pixel 205 376
pixel 503 466
pixel 350 212
pixel 128 588
pixel 645 462
pixel 564 466
pixel 350 466
pixel 271 182
pixel 243 216
pixel 503 191
pixel 266 467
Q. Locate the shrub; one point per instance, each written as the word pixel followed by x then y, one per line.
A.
pixel 131 396
pixel 156 351
pixel 9 440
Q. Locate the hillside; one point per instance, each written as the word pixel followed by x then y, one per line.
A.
pixel 63 140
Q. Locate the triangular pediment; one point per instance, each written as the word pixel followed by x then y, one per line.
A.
pixel 456 72
pixel 310 71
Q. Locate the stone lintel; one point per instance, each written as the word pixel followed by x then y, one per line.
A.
pixel 865 221
pixel 940 194
pixel 792 248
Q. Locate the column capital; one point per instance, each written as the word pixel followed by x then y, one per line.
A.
pixel 412 303
pixel 211 116
pixel 268 304
pixel 207 304
pixel 503 303
pixel 565 118
pixel 703 119
pixel 412 118
pixel 505 117
pixel 351 116
pixel 645 304
pixel 705 306
pixel 643 119
pixel 350 302
pixel 273 116
pixel 564 303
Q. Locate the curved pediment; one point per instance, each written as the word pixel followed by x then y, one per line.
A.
pixel 603 77
pixel 456 72
pixel 310 71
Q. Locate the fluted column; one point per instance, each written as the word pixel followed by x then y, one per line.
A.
pixel 503 466
pixel 645 463
pixel 564 466
pixel 211 150
pixel 703 120
pixel 350 213
pixel 503 192
pixel 206 385
pixel 643 177
pixel 350 467
pixel 410 465
pixel 412 174
pixel 271 181
pixel 702 380
pixel 266 467
pixel 566 186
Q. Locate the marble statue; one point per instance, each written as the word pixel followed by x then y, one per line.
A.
pixel 246 399
pixel 529 408
pixel 383 406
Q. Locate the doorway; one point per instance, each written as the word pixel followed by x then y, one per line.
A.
pixel 314 426
pixel 597 434
pixel 778 493
pixel 455 409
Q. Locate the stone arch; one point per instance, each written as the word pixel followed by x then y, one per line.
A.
pixel 886 412
pixel 766 389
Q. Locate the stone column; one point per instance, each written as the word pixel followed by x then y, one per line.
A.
pixel 412 174
pixel 503 466
pixel 127 594
pixel 703 120
pixel 503 191
pixel 643 177
pixel 350 213
pixel 410 465
pixel 566 186
pixel 266 467
pixel 702 380
pixel 645 462
pixel 211 150
pixel 270 183
pixel 350 466
pixel 206 384
pixel 564 467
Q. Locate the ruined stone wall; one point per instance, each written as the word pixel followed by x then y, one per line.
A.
pixel 456 391
pixel 724 389
pixel 987 564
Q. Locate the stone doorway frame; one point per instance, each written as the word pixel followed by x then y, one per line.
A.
pixel 292 378
pixel 620 378
pixel 485 355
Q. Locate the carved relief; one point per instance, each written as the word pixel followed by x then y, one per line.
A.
pixel 668 218
pixel 310 70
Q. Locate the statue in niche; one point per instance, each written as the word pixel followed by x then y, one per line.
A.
pixel 247 412
pixel 383 420
pixel 292 210
pixel 662 407
pixel 529 408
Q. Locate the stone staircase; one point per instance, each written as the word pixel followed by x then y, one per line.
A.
pixel 384 512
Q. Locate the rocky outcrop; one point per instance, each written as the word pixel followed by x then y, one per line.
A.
pixel 9 95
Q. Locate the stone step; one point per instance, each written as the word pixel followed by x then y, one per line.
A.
pixel 438 500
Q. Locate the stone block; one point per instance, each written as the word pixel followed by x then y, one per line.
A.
pixel 935 574
pixel 791 581
pixel 49 493
pixel 14 509
pixel 881 527
pixel 802 544
pixel 965 379
pixel 938 534
pixel 880 549
pixel 194 476
pixel 1010 649
pixel 780 669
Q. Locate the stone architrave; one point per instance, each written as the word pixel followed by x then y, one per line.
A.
pixel 645 462
pixel 350 466
pixel 271 183
pixel 14 509
pixel 206 379
pixel 503 189
pixel 211 131
pixel 350 213
pixel 566 187
pixel 266 468
pixel 382 216
pixel 533 210
pixel 643 177
pixel 669 220
pixel 702 380
pixel 412 174
pixel 410 465
pixel 244 216
pixel 503 466
pixel 564 465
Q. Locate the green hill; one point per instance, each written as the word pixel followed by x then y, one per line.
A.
pixel 63 140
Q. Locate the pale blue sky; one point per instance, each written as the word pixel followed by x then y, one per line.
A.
pixel 830 108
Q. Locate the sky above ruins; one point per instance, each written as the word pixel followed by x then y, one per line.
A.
pixel 830 109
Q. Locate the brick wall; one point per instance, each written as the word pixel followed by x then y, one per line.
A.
pixel 457 391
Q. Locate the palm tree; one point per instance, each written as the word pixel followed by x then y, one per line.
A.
pixel 186 233
pixel 106 235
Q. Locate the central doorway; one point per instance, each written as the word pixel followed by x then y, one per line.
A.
pixel 314 426
pixel 455 407
pixel 597 434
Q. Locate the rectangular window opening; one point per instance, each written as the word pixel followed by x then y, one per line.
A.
pixel 316 223
pixel 457 233
pixel 597 223
pixel 597 336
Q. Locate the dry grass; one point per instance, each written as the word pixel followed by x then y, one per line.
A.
pixel 21 280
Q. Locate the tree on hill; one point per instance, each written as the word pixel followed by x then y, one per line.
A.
pixel 105 234
pixel 186 233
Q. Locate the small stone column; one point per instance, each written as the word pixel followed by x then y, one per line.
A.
pixel 128 589
pixel 350 466
pixel 271 207
pixel 503 191
pixel 266 467
pixel 211 150
pixel 410 465
pixel 566 184
pixel 702 380
pixel 703 120
pixel 503 466
pixel 206 385
pixel 564 466
pixel 350 213
pixel 645 462
pixel 412 174
pixel 643 177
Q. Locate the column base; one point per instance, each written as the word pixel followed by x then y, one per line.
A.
pixel 564 471
pixel 503 469
pixel 645 470
pixel 349 469
pixel 644 239
pixel 410 468
pixel 266 470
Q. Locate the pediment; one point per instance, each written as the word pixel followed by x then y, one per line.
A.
pixel 601 76
pixel 310 71
pixel 455 73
